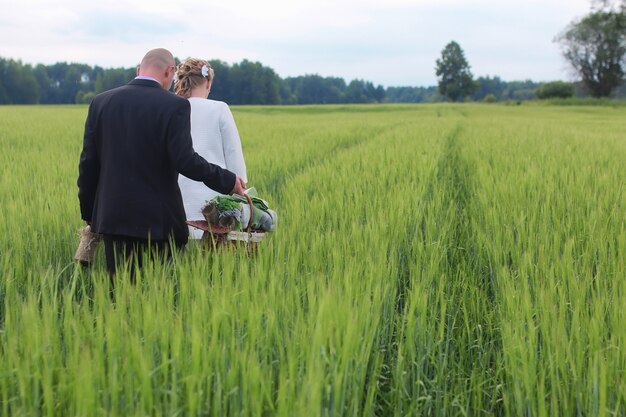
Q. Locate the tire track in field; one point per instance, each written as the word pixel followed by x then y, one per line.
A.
pixel 416 229
pixel 276 183
pixel 472 341
pixel 476 347
pixel 358 137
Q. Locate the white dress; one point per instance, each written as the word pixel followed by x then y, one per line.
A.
pixel 216 139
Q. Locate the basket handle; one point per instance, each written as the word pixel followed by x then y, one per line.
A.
pixel 249 229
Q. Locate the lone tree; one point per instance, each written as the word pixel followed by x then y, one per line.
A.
pixel 595 46
pixel 455 79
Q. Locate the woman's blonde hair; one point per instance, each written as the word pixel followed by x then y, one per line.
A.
pixel 190 74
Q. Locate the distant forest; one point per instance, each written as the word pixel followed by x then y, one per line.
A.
pixel 246 82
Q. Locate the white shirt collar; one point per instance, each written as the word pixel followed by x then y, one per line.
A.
pixel 143 77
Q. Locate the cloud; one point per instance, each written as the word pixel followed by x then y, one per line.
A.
pixel 391 42
pixel 120 26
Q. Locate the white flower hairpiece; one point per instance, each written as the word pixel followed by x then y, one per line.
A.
pixel 205 71
pixel 175 79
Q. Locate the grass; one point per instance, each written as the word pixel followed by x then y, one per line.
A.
pixel 429 260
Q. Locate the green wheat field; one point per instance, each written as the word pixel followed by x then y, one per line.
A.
pixel 429 260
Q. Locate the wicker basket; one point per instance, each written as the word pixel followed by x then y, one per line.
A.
pixel 218 238
pixel 87 247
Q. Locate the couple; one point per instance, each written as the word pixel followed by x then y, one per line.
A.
pixel 137 141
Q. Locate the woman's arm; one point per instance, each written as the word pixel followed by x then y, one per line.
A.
pixel 233 153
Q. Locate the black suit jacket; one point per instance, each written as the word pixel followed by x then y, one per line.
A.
pixel 137 140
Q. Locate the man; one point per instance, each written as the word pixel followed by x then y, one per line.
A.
pixel 137 140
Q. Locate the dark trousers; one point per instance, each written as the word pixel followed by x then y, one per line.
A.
pixel 119 250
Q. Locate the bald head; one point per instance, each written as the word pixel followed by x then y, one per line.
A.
pixel 157 58
pixel 159 64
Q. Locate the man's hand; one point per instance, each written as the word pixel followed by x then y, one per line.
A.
pixel 240 186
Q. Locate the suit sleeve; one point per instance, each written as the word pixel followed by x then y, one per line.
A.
pixel 187 162
pixel 88 167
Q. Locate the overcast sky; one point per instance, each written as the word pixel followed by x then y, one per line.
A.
pixel 388 42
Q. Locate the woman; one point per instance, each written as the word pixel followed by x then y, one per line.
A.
pixel 213 131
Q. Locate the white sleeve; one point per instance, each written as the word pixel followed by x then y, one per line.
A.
pixel 233 153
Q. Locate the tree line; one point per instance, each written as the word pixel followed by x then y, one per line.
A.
pixel 241 83
pixel 246 82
